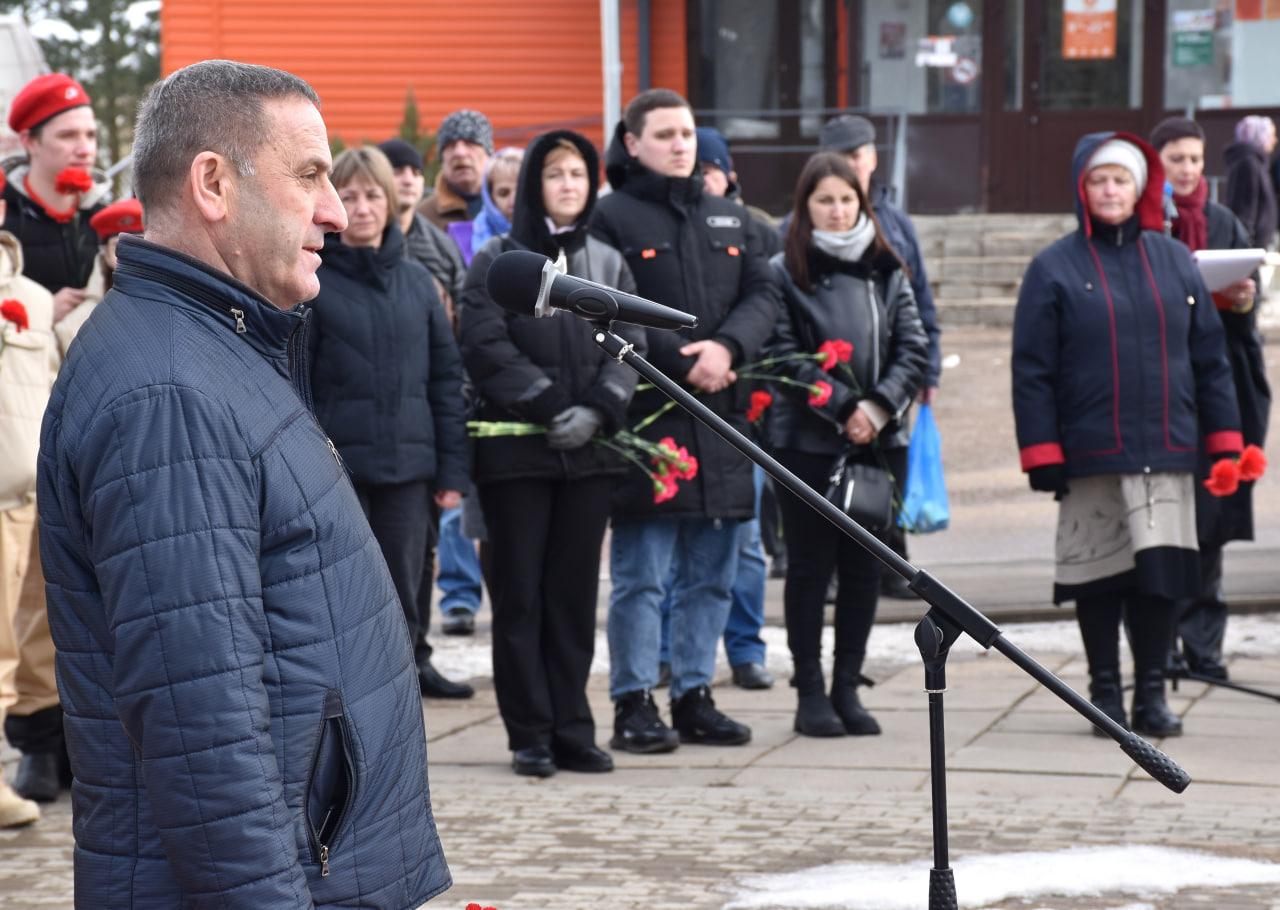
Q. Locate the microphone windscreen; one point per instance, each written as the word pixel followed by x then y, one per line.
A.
pixel 514 279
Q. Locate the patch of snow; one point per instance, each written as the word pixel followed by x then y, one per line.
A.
pixel 981 881
pixel 892 645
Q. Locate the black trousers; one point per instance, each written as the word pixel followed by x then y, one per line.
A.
pixel 816 548
pixel 543 573
pixel 1149 620
pixel 1202 622
pixel 401 517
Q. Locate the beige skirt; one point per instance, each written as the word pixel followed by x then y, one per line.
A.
pixel 1119 531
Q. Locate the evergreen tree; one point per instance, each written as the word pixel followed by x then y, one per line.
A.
pixel 411 132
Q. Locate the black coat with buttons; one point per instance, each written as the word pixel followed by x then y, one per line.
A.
pixel 697 253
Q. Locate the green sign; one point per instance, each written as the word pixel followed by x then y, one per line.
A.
pixel 1192 48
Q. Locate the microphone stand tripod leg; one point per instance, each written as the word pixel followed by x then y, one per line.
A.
pixel 934 637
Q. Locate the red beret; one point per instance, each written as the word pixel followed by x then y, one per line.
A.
pixel 44 97
pixel 123 217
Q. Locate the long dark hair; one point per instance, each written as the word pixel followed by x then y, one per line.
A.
pixel 800 230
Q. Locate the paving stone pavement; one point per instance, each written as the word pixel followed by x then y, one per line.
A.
pixel 677 831
pixel 1024 772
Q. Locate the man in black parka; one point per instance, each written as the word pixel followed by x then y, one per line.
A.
pixel 695 252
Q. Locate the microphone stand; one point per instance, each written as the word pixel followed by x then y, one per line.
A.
pixel 948 616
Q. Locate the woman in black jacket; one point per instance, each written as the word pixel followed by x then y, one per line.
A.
pixel 546 497
pixel 1249 191
pixel 387 379
pixel 1201 225
pixel 841 282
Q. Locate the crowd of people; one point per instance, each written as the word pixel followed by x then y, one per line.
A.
pixel 254 466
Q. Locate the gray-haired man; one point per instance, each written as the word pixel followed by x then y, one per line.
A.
pixel 242 708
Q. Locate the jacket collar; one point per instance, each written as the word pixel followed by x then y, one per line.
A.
pixel 448 199
pixel 226 300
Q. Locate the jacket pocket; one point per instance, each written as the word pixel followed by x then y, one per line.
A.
pixel 331 787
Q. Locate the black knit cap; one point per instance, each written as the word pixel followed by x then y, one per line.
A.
pixel 1171 129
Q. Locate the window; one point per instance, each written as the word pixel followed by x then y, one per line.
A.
pixel 923 55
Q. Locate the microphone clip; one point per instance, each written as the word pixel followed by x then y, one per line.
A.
pixel 543 305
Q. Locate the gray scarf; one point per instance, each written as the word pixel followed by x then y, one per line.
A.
pixel 847 245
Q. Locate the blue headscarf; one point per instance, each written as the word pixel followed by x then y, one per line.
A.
pixel 491 222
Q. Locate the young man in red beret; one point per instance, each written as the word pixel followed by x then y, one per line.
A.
pixel 50 196
pixel 54 192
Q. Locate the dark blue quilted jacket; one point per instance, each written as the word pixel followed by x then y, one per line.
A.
pixel 242 708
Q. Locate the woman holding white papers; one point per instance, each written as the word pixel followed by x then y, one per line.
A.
pixel 1119 375
pixel 1203 225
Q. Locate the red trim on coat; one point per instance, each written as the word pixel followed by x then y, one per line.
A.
pixel 1042 454
pixel 1224 441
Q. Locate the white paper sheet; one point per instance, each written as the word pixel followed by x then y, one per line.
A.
pixel 1220 268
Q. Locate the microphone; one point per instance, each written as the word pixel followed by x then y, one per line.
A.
pixel 524 282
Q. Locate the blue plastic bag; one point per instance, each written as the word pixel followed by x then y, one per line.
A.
pixel 924 507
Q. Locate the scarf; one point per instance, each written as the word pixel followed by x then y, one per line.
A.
pixel 847 245
pixel 1191 227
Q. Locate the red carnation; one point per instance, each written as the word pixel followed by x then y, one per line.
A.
pixel 760 400
pixel 73 180
pixel 1253 463
pixel 819 393
pixel 686 465
pixel 833 352
pixel 1224 478
pixel 474 906
pixel 13 311
pixel 664 488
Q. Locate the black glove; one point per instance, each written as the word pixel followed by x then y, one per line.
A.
pixel 1049 478
pixel 573 427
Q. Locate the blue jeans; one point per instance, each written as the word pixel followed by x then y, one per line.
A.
pixel 701 555
pixel 459 580
pixel 742 641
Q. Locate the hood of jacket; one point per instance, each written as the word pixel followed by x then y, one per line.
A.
pixel 529 220
pixel 625 172
pixel 1238 151
pixel 1149 213
pixel 369 265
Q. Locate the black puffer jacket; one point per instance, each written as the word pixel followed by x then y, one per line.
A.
pixel 696 253
pixel 870 304
pixel 385 370
pixel 56 254
pixel 526 368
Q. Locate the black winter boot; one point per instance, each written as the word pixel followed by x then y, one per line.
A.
pixel 637 726
pixel 1151 714
pixel 814 715
pixel 1104 692
pixel 695 717
pixel 845 679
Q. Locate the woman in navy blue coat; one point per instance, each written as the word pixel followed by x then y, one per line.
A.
pixel 1119 375
pixel 386 376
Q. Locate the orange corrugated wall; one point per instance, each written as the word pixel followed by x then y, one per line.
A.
pixel 524 64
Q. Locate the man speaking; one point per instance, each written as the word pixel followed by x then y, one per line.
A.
pixel 242 707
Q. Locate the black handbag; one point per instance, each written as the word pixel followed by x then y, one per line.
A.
pixel 864 492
